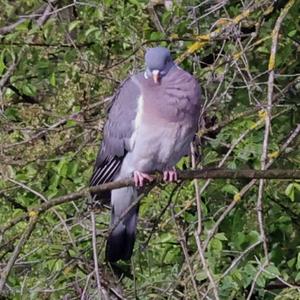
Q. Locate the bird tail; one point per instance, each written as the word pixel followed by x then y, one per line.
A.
pixel 121 240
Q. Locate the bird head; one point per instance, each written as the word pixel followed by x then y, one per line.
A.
pixel 158 63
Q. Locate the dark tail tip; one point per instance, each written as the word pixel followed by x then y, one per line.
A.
pixel 119 245
pixel 120 242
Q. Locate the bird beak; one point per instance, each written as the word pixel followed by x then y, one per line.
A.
pixel 156 76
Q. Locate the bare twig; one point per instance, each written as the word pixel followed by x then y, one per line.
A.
pixel 205 266
pixel 158 218
pixel 197 192
pixel 240 257
pixel 40 12
pixel 268 111
pixel 101 291
pixel 41 196
pixel 206 38
pixel 26 235
pixel 260 270
pixel 186 255
pixel 297 287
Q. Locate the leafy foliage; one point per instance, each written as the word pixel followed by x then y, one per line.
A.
pixel 58 72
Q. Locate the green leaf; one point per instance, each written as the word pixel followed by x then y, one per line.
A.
pixel 73 168
pixel 298 262
pixel 53 79
pixel 12 113
pixel 290 192
pixel 2 64
pixel 292 33
pixel 221 236
pixel 167 237
pixel 59 264
pixel 74 24
pixel 201 276
pixel 230 189
pixel 249 272
pixel 71 123
pixel 261 280
pixel 91 30
pixel 211 157
pixel 24 26
pixel 291 262
pixel 62 168
pixel 297 278
pixel 156 36
pixel 29 90
pixel 297 186
pixel 54 181
pixel 272 272
pixel 135 2
pixel 216 245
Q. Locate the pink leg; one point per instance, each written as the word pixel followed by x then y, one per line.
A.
pixel 170 175
pixel 139 178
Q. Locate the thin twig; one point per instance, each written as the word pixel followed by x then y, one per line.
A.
pixel 240 257
pixel 197 192
pixel 205 267
pixel 186 255
pixel 101 291
pixel 41 196
pixel 280 279
pixel 203 40
pixel 158 218
pixel 260 270
pixel 26 235
pixel 268 111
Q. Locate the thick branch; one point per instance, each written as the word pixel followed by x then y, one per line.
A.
pixel 184 175
pixel 240 174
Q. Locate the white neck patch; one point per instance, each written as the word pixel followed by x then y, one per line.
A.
pixel 137 121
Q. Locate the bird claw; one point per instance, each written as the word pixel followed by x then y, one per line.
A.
pixel 170 175
pixel 139 178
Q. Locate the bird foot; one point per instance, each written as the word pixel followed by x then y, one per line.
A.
pixel 170 175
pixel 139 178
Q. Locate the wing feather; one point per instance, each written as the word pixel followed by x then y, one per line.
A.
pixel 117 132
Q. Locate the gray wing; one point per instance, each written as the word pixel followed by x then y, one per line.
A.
pixel 117 133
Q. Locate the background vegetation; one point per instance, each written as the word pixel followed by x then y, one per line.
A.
pixel 60 63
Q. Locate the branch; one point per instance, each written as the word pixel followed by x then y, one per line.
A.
pixel 4 30
pixel 206 267
pixel 204 39
pixel 183 244
pixel 248 186
pixel 101 291
pixel 183 175
pixel 26 235
pixel 268 111
pixel 42 12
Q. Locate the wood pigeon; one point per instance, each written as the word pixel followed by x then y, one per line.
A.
pixel 150 126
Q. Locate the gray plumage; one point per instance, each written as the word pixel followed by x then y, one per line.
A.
pixel 150 127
